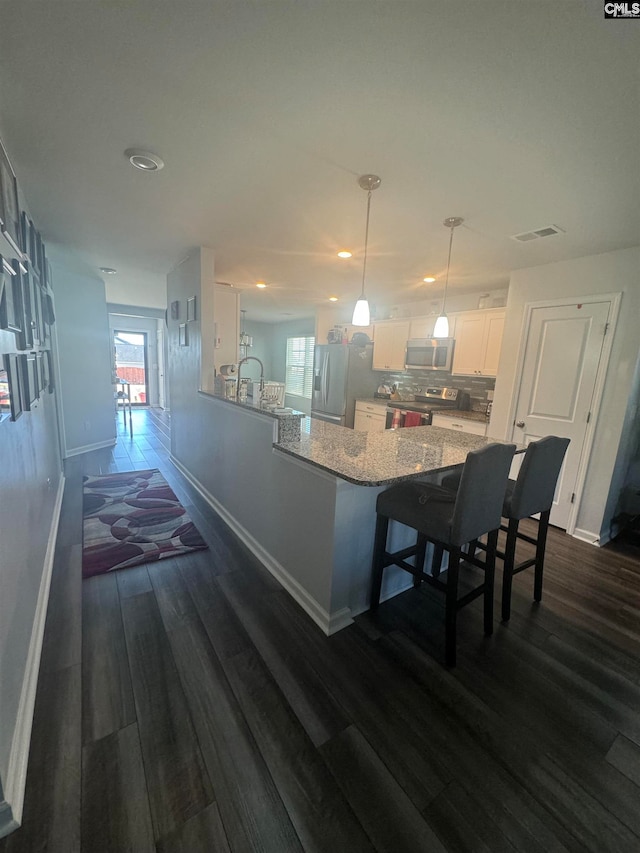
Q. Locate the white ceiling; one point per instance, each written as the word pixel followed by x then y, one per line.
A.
pixel 514 115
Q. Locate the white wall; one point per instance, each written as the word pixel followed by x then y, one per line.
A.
pixel 30 488
pixel 262 349
pixel 84 356
pixel 137 287
pixel 606 273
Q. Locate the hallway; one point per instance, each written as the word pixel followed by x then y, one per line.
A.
pixel 190 705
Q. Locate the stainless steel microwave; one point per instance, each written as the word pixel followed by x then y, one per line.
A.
pixel 429 353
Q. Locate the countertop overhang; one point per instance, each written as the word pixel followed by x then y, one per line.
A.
pixel 381 458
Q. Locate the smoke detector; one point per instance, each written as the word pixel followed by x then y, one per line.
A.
pixel 537 233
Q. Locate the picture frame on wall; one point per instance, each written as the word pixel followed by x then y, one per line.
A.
pixel 11 365
pixel 191 309
pixel 25 234
pixel 44 269
pixel 35 309
pixel 9 318
pixel 183 335
pixel 175 310
pixel 30 382
pixel 25 337
pixel 5 393
pixel 34 244
pixel 48 366
pixel 9 209
pixel 20 299
pixel 42 373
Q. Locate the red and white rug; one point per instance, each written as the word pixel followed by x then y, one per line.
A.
pixel 133 518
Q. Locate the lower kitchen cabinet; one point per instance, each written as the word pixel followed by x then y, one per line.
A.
pixel 459 424
pixel 370 417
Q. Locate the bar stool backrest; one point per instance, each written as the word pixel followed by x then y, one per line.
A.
pixel 480 496
pixel 536 484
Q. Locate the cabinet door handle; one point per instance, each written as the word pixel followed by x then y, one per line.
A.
pixel 520 424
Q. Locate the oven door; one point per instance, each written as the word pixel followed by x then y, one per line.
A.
pixel 396 418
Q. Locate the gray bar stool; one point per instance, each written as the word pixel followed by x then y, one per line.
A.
pixel 531 493
pixel 449 520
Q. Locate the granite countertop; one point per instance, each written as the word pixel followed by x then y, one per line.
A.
pixel 380 458
pixel 254 406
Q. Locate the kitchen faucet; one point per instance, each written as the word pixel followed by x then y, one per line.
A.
pixel 240 363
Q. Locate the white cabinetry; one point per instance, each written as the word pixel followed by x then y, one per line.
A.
pixel 370 417
pixel 390 338
pixel 422 327
pixel 328 318
pixel 459 424
pixel 478 337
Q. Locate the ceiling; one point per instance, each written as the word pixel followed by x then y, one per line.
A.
pixel 514 115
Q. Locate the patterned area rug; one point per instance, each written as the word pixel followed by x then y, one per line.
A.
pixel 133 518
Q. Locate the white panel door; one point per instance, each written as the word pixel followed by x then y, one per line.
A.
pixel 564 345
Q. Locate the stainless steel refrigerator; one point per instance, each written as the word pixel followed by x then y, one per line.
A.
pixel 341 375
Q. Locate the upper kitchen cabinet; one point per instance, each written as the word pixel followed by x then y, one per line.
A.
pixel 390 338
pixel 330 318
pixel 422 327
pixel 478 337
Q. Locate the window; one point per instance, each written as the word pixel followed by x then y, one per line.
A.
pixel 299 374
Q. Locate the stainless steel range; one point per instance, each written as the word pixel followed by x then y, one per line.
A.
pixel 431 399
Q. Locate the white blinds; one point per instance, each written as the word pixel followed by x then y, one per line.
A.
pixel 299 373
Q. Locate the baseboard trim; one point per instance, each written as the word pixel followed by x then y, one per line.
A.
pixel 19 756
pixel 87 448
pixel 328 624
pixel 587 536
pixel 7 823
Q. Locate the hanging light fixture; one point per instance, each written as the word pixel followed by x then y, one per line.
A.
pixel 441 329
pixel 361 313
pixel 245 339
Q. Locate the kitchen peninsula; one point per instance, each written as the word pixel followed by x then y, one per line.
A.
pixel 306 506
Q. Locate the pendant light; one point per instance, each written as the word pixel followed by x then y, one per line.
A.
pixel 441 329
pixel 361 313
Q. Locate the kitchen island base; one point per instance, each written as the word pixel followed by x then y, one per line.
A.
pixel 324 545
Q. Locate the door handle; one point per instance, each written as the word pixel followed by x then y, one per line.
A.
pixel 520 424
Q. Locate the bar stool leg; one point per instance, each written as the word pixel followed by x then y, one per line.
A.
pixel 507 570
pixel 421 552
pixel 451 607
pixel 377 567
pixel 489 577
pixel 543 528
pixel 436 560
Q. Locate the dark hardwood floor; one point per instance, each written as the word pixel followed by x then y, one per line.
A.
pixel 190 705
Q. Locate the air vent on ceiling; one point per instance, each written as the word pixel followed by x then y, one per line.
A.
pixel 547 231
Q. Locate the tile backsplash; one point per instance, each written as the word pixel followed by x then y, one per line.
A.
pixel 476 386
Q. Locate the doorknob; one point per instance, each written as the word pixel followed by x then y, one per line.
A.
pixel 520 424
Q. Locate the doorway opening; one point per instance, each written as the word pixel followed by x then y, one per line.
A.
pixel 131 364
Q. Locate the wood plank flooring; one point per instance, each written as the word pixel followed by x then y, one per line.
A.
pixel 190 705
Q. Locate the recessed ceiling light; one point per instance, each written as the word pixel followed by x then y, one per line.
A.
pixel 333 299
pixel 261 285
pixel 429 279
pixel 144 160
pixel 344 254
pixel 108 270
